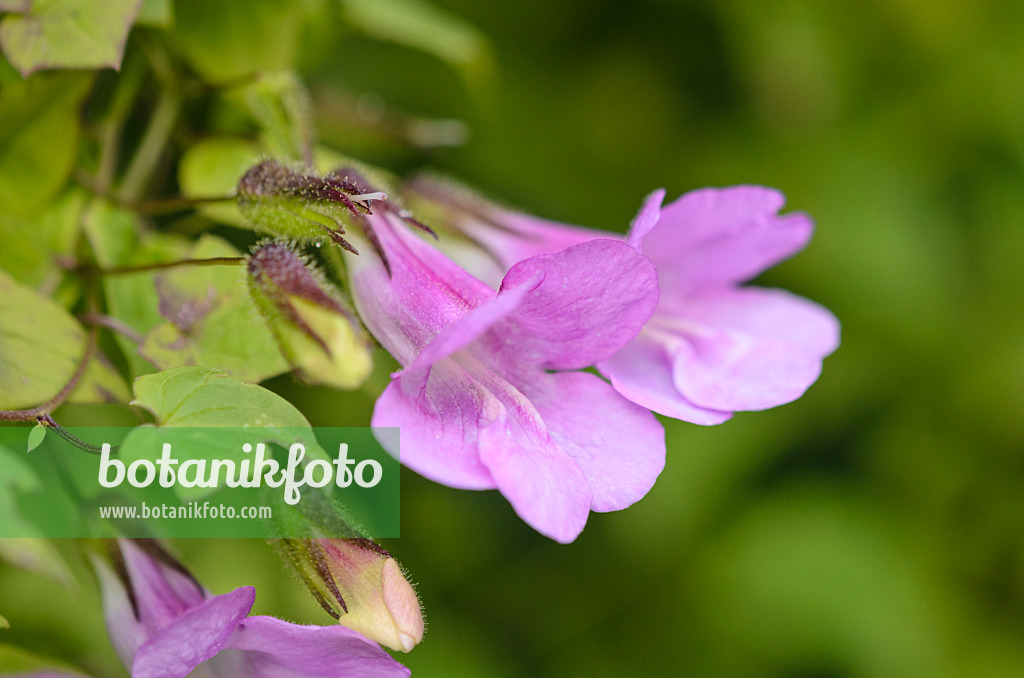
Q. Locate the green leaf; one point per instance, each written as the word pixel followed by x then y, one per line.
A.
pixel 280 104
pixel 68 34
pixel 15 660
pixel 40 346
pixel 31 553
pixel 101 383
pixel 202 396
pixel 15 476
pixel 117 239
pixel 424 26
pixel 36 554
pixel 30 246
pixel 156 13
pixel 35 437
pixel 38 138
pixel 207 410
pixel 4 624
pixel 225 41
pixel 186 316
pixel 210 320
pixel 213 167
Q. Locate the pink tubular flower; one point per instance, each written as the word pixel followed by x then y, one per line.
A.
pixel 712 346
pixel 488 397
pixel 503 236
pixel 163 625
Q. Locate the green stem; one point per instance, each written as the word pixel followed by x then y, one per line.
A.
pixel 112 324
pixel 110 133
pixel 47 421
pixel 142 268
pixel 171 205
pixel 155 138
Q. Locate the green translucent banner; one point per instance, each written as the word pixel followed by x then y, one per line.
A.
pixel 199 482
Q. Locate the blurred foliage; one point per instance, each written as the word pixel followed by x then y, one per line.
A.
pixel 873 528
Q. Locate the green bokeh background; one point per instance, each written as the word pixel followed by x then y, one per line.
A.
pixel 874 528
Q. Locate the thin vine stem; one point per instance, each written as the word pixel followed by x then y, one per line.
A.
pixel 150 207
pixel 142 268
pixel 151 148
pixel 112 324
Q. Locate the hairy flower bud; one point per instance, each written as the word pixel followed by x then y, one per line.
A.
pixel 360 584
pixel 284 201
pixel 316 332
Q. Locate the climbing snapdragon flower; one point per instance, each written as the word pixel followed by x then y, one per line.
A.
pixel 163 624
pixel 490 396
pixel 713 345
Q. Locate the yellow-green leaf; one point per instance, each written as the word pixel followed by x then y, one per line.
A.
pixel 117 239
pixel 212 168
pixel 68 34
pixel 156 13
pixel 40 346
pixel 38 138
pixel 424 26
pixel 202 396
pixel 210 320
pixel 101 383
pixel 225 41
pixel 17 661
pixel 35 437
pixel 31 245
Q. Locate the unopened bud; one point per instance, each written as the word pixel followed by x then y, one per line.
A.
pixel 360 584
pixel 315 330
pixel 287 202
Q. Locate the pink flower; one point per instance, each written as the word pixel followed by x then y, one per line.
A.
pixel 163 624
pixel 488 397
pixel 713 346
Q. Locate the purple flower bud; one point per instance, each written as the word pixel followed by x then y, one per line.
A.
pixel 314 328
pixel 286 202
pixel 361 585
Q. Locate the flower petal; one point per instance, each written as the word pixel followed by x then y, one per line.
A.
pixel 592 301
pixel 423 294
pixel 619 446
pixel 161 594
pixel 642 372
pixel 469 327
pixel 266 647
pixel 192 638
pixel 545 486
pixel 513 236
pixel 722 236
pixel 751 348
pixel 646 219
pixel 508 236
pixel 438 412
pixel 125 631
